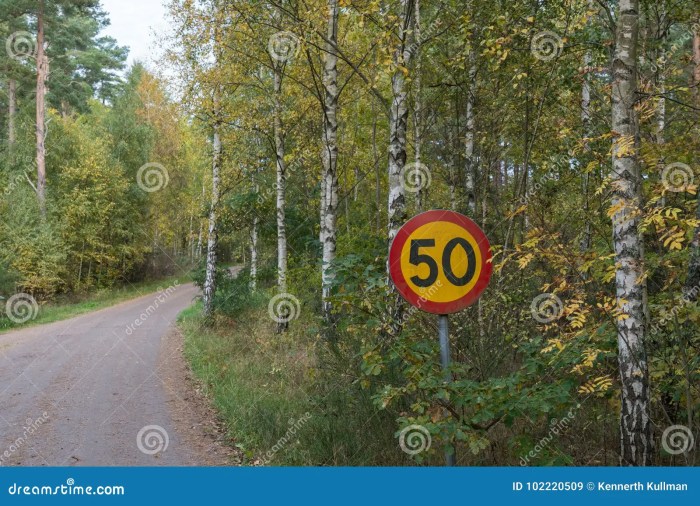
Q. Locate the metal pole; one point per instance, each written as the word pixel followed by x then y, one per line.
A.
pixel 444 334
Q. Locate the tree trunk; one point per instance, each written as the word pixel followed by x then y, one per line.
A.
pixel 254 254
pixel 692 282
pixel 585 243
pixel 42 64
pixel 397 127
pixel 418 104
pixel 281 191
pixel 329 156
pixel 636 443
pixel 212 242
pixel 470 166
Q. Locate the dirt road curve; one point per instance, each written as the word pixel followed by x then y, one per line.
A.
pixel 106 388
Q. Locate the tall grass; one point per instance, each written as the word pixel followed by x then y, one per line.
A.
pixel 281 403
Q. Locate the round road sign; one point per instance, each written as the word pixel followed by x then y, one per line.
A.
pixel 440 261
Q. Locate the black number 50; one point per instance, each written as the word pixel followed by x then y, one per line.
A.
pixel 417 258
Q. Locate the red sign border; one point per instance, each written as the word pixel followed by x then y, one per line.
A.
pixel 415 298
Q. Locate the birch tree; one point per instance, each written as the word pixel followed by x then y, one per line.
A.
pixel 329 155
pixel 398 122
pixel 209 289
pixel 636 441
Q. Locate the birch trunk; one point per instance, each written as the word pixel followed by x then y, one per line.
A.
pixel 585 243
pixel 397 129
pixel 212 241
pixel 42 64
pixel 254 254
pixel 470 168
pixel 281 191
pixel 418 104
pixel 329 156
pixel 636 443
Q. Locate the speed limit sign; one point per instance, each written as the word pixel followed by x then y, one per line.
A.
pixel 440 261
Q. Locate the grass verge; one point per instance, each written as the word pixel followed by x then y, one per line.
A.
pixel 279 401
pixel 68 307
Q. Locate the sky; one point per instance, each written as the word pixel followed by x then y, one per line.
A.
pixel 136 23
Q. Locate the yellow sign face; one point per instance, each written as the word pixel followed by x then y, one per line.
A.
pixel 432 241
pixel 440 261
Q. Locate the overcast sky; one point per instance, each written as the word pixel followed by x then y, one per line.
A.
pixel 136 23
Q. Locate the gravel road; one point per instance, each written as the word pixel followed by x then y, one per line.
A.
pixel 108 388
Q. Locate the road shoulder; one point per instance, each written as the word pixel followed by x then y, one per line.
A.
pixel 195 419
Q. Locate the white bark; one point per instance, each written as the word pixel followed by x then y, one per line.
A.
pixel 329 156
pixel 418 102
pixel 281 184
pixel 636 443
pixel 212 241
pixel 254 254
pixel 585 243
pixel 470 166
pixel 397 129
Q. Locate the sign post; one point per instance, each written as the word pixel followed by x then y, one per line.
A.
pixel 440 262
